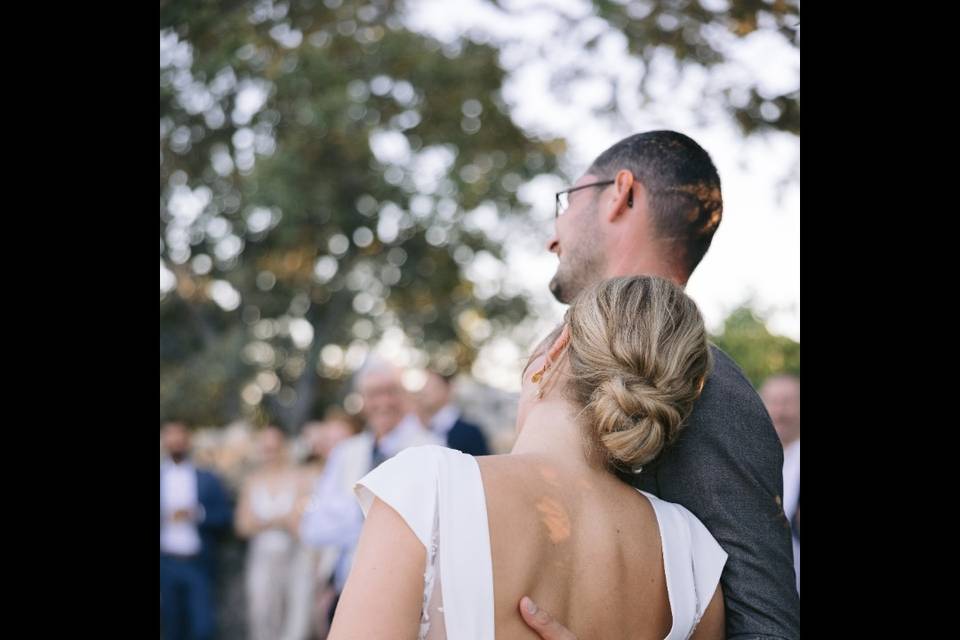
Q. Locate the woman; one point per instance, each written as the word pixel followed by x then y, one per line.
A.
pixel 452 543
pixel 266 515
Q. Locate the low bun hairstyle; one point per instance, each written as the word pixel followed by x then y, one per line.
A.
pixel 638 359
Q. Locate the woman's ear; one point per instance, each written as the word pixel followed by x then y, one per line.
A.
pixel 559 344
pixel 553 353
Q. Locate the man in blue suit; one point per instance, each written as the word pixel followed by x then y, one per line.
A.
pixel 194 511
pixel 440 415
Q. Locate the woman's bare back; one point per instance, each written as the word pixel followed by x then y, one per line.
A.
pixel 583 544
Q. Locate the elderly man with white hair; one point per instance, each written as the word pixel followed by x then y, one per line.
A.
pixel 333 518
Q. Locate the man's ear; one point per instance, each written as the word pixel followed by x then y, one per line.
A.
pixel 623 196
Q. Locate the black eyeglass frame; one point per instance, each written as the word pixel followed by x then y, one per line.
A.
pixel 562 207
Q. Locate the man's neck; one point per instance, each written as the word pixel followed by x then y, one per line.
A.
pixel 380 436
pixel 641 263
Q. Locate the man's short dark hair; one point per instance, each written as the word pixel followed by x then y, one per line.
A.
pixel 683 187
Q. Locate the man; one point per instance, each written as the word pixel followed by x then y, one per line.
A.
pixel 781 395
pixel 442 417
pixel 333 517
pixel 194 511
pixel 649 205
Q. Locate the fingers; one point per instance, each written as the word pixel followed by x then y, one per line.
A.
pixel 542 622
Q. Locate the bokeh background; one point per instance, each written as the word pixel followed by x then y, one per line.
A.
pixel 347 177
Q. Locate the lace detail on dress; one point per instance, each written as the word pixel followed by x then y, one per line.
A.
pixel 698 606
pixel 429 576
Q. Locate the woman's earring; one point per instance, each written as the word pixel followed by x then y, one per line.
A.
pixel 538 374
pixel 552 354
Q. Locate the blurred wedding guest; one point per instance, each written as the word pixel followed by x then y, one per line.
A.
pixel 439 413
pixel 237 453
pixel 781 395
pixel 333 518
pixel 194 511
pixel 309 598
pixel 265 515
pixel 320 437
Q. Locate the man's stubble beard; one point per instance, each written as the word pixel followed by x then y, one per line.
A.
pixel 582 267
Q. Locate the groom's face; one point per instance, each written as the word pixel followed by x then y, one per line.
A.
pixel 577 240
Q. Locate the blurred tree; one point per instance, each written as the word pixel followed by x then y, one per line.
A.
pixel 325 175
pixel 679 34
pixel 759 353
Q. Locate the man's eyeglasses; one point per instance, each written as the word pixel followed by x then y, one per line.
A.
pixel 563 197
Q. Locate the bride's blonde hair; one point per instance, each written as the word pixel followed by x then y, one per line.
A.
pixel 636 360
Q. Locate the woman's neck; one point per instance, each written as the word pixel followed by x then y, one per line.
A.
pixel 550 430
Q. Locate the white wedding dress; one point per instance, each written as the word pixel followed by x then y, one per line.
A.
pixel 439 494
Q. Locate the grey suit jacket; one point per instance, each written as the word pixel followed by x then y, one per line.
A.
pixel 727 468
